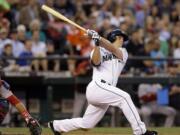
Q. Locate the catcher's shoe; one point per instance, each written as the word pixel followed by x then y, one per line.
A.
pixel 34 127
pixel 50 125
pixel 150 133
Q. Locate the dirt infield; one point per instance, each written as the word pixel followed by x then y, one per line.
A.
pixel 96 131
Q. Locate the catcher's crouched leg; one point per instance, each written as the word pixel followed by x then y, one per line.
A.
pixel 4 108
pixel 34 127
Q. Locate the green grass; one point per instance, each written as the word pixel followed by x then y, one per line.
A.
pixel 95 131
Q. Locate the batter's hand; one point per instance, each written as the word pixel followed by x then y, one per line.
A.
pixel 96 38
pixel 90 32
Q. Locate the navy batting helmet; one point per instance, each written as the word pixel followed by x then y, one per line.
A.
pixel 4 108
pixel 117 32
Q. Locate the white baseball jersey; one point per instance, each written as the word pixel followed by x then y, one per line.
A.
pixel 110 67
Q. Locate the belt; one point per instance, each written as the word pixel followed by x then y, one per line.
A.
pixel 103 81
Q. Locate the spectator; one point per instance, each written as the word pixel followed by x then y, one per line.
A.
pixel 135 47
pixel 25 65
pixel 130 21
pixel 149 24
pixel 147 65
pixel 65 7
pixel 176 54
pixel 35 25
pixel 10 13
pixel 18 46
pixel 174 17
pixel 156 53
pixel 172 45
pixel 155 13
pixel 8 65
pixel 140 8
pixel 46 18
pixel 175 29
pixel 174 100
pixel 57 31
pixel 124 26
pixel 53 65
pixel 164 36
pixel 29 13
pixel 147 94
pixel 105 27
pixel 103 13
pixel 174 96
pixel 173 65
pixel 174 89
pixel 3 38
pixel 39 51
pixel 4 23
pixel 117 17
pixel 174 93
pixel 166 6
pixel 21 33
pixel 80 17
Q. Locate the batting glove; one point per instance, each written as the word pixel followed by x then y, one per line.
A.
pixel 34 127
pixel 90 32
pixel 96 38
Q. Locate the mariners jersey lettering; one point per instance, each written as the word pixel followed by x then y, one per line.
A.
pixel 110 66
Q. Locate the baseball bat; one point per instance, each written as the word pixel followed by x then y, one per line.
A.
pixel 62 17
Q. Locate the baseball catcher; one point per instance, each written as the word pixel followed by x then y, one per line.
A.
pixel 8 97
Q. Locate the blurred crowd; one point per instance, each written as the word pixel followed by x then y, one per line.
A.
pixel 28 31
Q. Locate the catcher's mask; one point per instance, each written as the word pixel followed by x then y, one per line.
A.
pixel 117 32
pixel 4 108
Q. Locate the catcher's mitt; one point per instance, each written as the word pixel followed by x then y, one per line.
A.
pixel 34 127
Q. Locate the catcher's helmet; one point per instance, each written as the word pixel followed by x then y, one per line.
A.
pixel 4 108
pixel 117 32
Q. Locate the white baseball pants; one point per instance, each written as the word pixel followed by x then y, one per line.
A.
pixel 100 96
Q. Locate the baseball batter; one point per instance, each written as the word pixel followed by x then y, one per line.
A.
pixel 108 59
